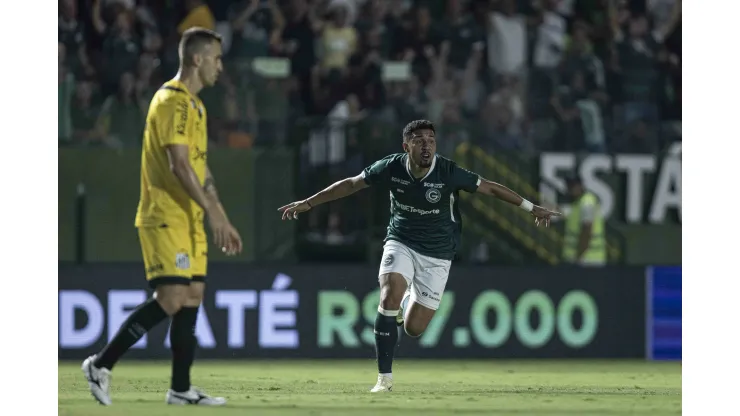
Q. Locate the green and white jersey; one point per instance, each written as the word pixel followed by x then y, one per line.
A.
pixel 424 212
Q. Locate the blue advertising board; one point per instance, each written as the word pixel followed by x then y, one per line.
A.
pixel 663 317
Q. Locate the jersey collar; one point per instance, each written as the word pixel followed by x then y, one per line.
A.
pixel 408 169
pixel 181 85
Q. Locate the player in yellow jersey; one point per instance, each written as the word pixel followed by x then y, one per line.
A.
pixel 177 192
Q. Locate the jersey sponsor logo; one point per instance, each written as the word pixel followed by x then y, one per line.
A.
pixel 182 108
pixel 401 181
pixel 432 297
pixel 434 185
pixel 415 210
pixel 388 260
pixel 155 268
pixel 182 261
pixel 200 154
pixel 433 195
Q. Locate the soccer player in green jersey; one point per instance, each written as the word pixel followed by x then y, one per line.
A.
pixel 423 234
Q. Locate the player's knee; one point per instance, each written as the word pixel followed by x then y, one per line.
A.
pixel 412 330
pixel 195 294
pixel 171 305
pixel 392 288
pixel 171 297
pixel 390 300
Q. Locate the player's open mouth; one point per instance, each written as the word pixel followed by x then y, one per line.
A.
pixel 426 155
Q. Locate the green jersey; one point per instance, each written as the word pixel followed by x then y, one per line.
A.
pixel 424 212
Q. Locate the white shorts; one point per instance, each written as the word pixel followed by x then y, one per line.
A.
pixel 426 276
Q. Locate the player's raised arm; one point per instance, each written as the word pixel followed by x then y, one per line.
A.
pixel 337 190
pixel 377 173
pixel 542 215
pixel 471 182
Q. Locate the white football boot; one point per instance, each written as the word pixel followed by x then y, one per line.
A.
pixel 98 379
pixel 384 384
pixel 193 396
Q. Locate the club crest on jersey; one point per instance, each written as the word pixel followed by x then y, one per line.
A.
pixel 433 195
pixel 388 260
pixel 182 261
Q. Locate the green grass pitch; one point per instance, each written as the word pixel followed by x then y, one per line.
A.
pixel 428 387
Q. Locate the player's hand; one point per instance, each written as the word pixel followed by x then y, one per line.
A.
pixel 225 235
pixel 543 215
pixel 233 244
pixel 292 210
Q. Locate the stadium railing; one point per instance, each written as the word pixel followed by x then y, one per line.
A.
pixel 511 170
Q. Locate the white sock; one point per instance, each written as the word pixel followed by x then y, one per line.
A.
pixel 389 375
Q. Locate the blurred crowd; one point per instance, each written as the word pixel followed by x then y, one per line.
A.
pixel 527 75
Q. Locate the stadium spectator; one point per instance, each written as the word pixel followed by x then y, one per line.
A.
pixel 637 63
pixel 378 29
pixel 84 114
pixel 507 40
pixel 256 26
pixel 463 33
pixel 550 36
pixel 297 44
pixel 419 42
pixel 122 115
pixel 580 62
pixel 504 116
pixel 528 75
pixel 121 50
pixel 337 42
pixel 146 20
pixel 596 15
pixel 147 79
pixel 72 35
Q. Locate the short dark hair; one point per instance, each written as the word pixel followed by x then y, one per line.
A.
pixel 193 40
pixel 417 125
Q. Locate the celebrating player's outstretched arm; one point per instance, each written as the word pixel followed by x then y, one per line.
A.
pixel 337 190
pixel 541 215
pixel 224 234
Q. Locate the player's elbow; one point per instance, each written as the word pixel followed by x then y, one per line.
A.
pixel 356 183
pixel 489 188
pixel 179 168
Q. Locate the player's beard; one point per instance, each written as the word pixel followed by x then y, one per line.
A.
pixel 425 162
